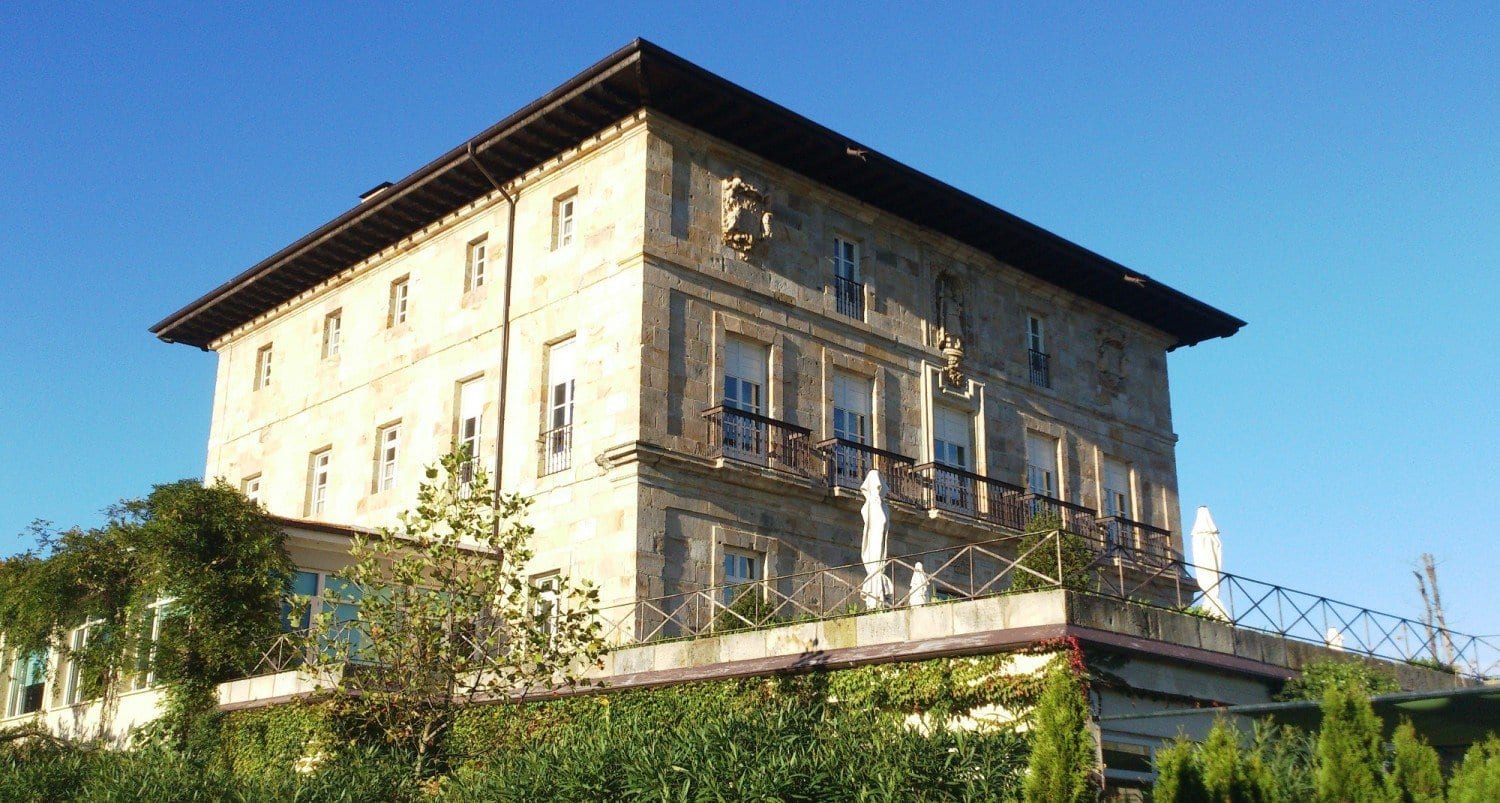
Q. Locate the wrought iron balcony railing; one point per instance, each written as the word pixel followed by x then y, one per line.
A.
pixel 1141 542
pixel 849 297
pixel 848 462
pixel 555 450
pixel 1075 519
pixel 751 438
pixel 963 492
pixel 1040 367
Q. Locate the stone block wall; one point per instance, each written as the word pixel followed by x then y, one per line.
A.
pixel 1109 382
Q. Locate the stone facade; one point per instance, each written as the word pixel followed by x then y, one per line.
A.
pixel 651 289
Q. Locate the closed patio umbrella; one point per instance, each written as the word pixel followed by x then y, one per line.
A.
pixel 876 589
pixel 1208 559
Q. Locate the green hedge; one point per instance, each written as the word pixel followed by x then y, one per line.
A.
pixel 841 735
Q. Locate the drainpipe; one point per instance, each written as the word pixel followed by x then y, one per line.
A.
pixel 510 250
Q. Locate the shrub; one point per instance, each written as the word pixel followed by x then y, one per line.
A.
pixel 1062 766
pixel 1349 758
pixel 1353 674
pixel 1477 778
pixel 1416 773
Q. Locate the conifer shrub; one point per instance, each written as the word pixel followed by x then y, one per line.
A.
pixel 1062 767
pixel 1349 761
pixel 1416 774
pixel 1476 779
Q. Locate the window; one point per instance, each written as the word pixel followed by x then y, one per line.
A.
pixel 849 293
pixel 953 446
pixel 746 366
pixel 851 422
pixel 250 487
pixel 400 292
pixel 305 600
pixel 557 440
pixel 545 589
pixel 317 481
pixel 740 567
pixel 478 260
pixel 952 438
pixel 388 440
pixel 1116 500
pixel 1041 465
pixel 73 680
pixel 1036 353
pixel 1116 488
pixel 563 220
pixel 145 654
pixel 333 327
pixel 263 367
pixel 301 596
pixel 470 411
pixel 345 609
pixel 28 684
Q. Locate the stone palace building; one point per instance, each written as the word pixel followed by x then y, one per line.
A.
pixel 687 322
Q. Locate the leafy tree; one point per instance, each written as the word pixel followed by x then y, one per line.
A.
pixel 1352 675
pixel 1349 766
pixel 1416 772
pixel 446 617
pixel 1062 767
pixel 1477 778
pixel 214 554
pixel 225 568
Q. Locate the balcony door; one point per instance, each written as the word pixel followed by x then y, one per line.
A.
pixel 851 422
pixel 1117 501
pixel 953 446
pixel 1041 465
pixel 746 366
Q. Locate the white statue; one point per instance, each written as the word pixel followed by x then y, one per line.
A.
pixel 876 589
pixel 921 591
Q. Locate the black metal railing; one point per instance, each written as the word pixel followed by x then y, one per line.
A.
pixel 848 462
pixel 1072 518
pixel 751 438
pixel 849 297
pixel 1041 368
pixel 1136 540
pixel 963 492
pixel 992 568
pixel 556 447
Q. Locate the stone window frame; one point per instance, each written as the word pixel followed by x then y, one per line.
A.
pixel 861 277
pixel 263 357
pixel 333 334
pixel 545 410
pixel 381 431
pixel 774 341
pixel 968 397
pixel 1132 481
pixel 398 310
pixel 477 255
pixel 835 361
pixel 310 505
pixel 1060 433
pixel 768 547
pixel 245 483
pixel 565 219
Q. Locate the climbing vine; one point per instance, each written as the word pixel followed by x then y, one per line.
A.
pixel 214 560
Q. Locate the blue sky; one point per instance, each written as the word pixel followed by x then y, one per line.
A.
pixel 1331 174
